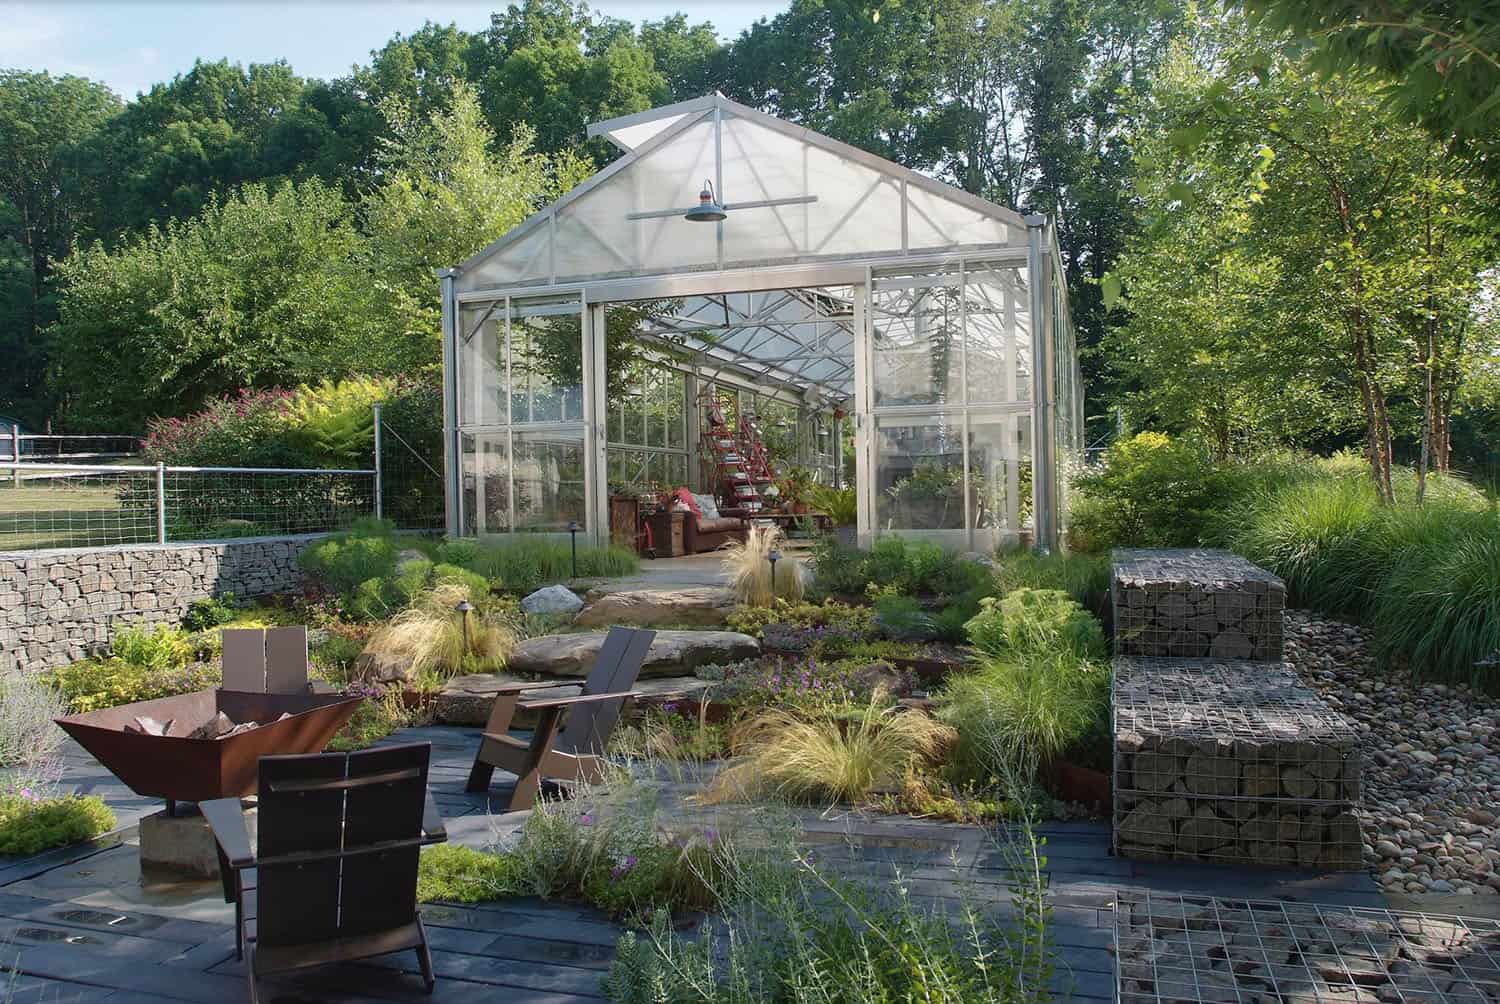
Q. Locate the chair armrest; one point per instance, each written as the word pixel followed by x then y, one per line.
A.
pixel 563 702
pixel 227 821
pixel 433 830
pixel 521 686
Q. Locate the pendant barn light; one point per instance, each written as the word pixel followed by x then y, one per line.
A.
pixel 708 209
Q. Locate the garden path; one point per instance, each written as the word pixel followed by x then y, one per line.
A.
pixel 85 927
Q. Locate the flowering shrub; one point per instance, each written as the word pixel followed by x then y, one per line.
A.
pixel 243 430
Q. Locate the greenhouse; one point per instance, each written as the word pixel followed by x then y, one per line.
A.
pixel 737 304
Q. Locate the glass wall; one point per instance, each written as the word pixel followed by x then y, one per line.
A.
pixel 521 416
pixel 950 390
pixel 647 429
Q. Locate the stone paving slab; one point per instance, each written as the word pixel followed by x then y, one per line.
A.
pixel 176 943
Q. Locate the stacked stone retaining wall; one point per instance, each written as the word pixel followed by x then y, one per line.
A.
pixel 57 606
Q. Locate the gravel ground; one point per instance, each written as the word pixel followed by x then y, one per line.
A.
pixel 1432 769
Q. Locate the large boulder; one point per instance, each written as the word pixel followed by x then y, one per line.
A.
pixel 699 605
pixel 383 667
pixel 673 653
pixel 554 600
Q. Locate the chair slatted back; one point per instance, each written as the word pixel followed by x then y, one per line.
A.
pixel 588 726
pixel 286 660
pixel 339 835
pixel 245 659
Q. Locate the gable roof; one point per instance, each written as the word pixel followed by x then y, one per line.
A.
pixel 792 195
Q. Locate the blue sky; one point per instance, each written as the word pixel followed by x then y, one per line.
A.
pixel 130 45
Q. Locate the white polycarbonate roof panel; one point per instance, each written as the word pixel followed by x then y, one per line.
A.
pixel 828 201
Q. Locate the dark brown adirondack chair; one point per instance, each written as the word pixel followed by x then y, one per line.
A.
pixel 335 874
pixel 268 661
pixel 570 749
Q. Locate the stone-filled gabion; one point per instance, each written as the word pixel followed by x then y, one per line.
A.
pixel 57 606
pixel 1195 604
pixel 1232 761
pixel 1171 949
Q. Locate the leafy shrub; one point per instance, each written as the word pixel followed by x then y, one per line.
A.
pixel 748 567
pixel 30 823
pixel 159 648
pixel 244 430
pixel 1027 620
pixel 463 553
pixel 333 424
pixel 106 683
pixel 343 562
pixel 838 568
pixel 1151 491
pixel 913 567
pixel 902 618
pixel 784 755
pixel 839 503
pixel 209 612
pixel 333 658
pixel 454 873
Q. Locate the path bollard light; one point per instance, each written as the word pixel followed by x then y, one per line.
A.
pixel 463 608
pixel 573 529
pixel 773 557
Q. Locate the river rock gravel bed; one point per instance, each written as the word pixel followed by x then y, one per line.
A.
pixel 1432 763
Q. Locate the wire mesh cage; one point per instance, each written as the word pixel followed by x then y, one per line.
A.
pixel 1195 604
pixel 1191 949
pixel 76 507
pixel 1232 761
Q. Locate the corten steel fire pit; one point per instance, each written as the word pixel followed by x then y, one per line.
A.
pixel 179 769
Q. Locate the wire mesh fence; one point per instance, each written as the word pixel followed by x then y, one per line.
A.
pixel 55 505
pixel 1194 949
pixel 410 460
pixel 17 445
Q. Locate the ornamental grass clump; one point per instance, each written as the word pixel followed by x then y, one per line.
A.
pixel 432 636
pixel 747 565
pixel 817 758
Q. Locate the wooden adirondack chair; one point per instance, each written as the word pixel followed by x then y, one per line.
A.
pixel 266 660
pixel 335 874
pixel 570 749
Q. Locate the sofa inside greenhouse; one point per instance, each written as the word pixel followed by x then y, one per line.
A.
pixel 738 310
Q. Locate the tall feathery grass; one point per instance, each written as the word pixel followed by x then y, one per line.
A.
pixel 435 638
pixel 797 758
pixel 1422 577
pixel 747 565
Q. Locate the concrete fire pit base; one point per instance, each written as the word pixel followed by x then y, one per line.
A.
pixel 182 846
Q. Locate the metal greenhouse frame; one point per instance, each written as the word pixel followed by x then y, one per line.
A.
pixel 813 282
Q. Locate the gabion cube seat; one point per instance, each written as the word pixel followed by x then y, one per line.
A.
pixel 1195 604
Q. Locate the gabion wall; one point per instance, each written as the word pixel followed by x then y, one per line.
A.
pixel 1171 949
pixel 1231 761
pixel 1195 604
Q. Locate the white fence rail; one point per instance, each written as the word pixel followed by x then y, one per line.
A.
pixel 91 505
pixel 16 445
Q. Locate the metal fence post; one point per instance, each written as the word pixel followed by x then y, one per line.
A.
pixel 161 503
pixel 15 454
pixel 377 460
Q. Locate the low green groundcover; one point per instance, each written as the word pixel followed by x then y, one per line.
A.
pixel 30 823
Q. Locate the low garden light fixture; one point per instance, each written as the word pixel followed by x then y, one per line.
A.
pixel 463 608
pixel 708 209
pixel 773 556
pixel 573 529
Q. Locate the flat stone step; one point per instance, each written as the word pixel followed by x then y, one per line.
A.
pixel 708 606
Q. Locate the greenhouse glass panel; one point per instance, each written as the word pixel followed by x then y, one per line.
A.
pixel 919 474
pixel 481 363
pixel 918 342
pixel 486 479
pixel 547 472
pixel 1000 473
pixel 998 322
